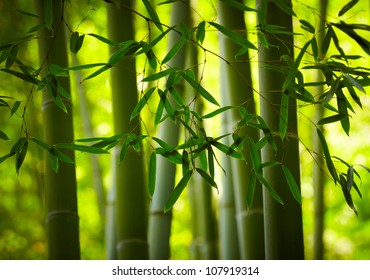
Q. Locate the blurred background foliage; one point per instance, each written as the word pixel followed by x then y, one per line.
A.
pixel 22 205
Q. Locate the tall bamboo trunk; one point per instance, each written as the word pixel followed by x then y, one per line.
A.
pixel 283 224
pixel 237 78
pixel 130 183
pixel 61 194
pixel 160 222
pixel 318 175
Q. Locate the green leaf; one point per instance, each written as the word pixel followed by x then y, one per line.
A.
pixel 201 33
pixel 27 13
pixel 41 143
pixel 347 194
pixel 283 116
pixel 255 157
pixel 218 111
pixel 240 6
pixel 159 113
pixel 76 42
pixel 327 39
pixel 328 160
pixel 15 107
pixel 354 82
pixel 251 190
pixel 103 39
pixel 159 75
pixel 211 162
pixel 294 189
pixel 174 50
pixel 143 101
pixel 124 49
pixel 151 59
pixel 124 148
pixel 3 136
pixel 342 109
pixel 12 56
pixel 315 49
pixel 149 46
pixel 331 119
pixel 54 161
pixel 4 158
pixel 206 177
pixel 98 72
pixel 85 66
pixel 270 189
pixel 153 14
pixel 227 150
pixel 48 13
pixel 21 155
pixel 198 88
pixel 185 162
pixel 62 156
pixel 58 71
pixel 286 8
pixel 178 190
pixel 152 173
pixel 167 105
pixel 307 26
pixel 242 41
pixel 24 77
pixel 81 148
pixel 347 7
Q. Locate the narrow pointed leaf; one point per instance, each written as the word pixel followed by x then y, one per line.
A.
pixel 201 34
pixel 81 148
pixel 218 111
pixel 227 150
pixel 211 163
pixel 270 189
pixel 328 160
pixel 86 66
pixel 153 14
pixel 159 75
pixel 103 39
pixel 3 136
pixel 255 156
pixel 98 72
pixel 143 101
pixel 4 158
pixel 354 82
pixel 347 7
pixel 174 50
pixel 198 88
pixel 283 116
pixel 206 177
pixel 152 173
pixel 347 194
pixel 178 190
pixel 294 189
pixel 149 46
pixel 307 26
pixel 331 119
pixel 251 190
pixel 21 155
pixel 350 178
pixel 20 75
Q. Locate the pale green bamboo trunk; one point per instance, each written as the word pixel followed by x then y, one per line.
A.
pixel 160 222
pixel 131 187
pixel 283 224
pixel 238 84
pixel 318 175
pixel 61 195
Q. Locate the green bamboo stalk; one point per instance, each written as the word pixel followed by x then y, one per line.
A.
pixel 160 222
pixel 61 194
pixel 318 175
pixel 283 224
pixel 131 185
pixel 237 79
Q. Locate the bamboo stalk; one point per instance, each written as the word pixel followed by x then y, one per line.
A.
pixel 61 193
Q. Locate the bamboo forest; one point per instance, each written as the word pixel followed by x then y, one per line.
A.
pixel 184 129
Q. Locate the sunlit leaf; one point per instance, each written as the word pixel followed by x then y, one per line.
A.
pixel 15 107
pixel 159 75
pixel 294 189
pixel 4 158
pixel 331 119
pixel 174 50
pixel 98 72
pixel 327 39
pixel 206 177
pixel 347 194
pixel 216 112
pixel 146 47
pixel 354 82
pixel 227 150
pixel 307 26
pixel 143 101
pixel 86 66
pixel 198 88
pixel 81 148
pixel 240 6
pixel 153 14
pixel 152 173
pixel 103 39
pixel 178 190
pixel 342 109
pixel 242 41
pixel 286 8
pixel 24 77
pixel 201 34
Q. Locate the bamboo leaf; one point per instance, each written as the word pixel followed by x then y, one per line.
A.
pixel 354 82
pixel 342 109
pixel 98 72
pixel 285 7
pixel 350 178
pixel 326 43
pixel 159 75
pixel 3 136
pixel 81 148
pixel 185 162
pixel 242 41
pixel 206 177
pixel 76 42
pixel 331 119
pixel 283 116
pixel 201 33
pixel 62 156
pixel 152 173
pixel 294 189
pixel 15 107
pixel 347 194
pixel 41 143
pixel 27 13
pixel 149 46
pixel 211 163
pixel 178 190
pixel 270 189
pixel 198 88
pixel 143 101
pixel 315 48
pixel 218 111
pixel 227 150
pixel 54 162
pixel 347 7
pixel 174 50
pixel 328 160
pixel 307 26
pixel 20 156
pixel 125 47
pixel 159 113
pixel 85 66
pixel 239 6
pixel 24 77
pixel 103 39
pixel 153 14
pixel 255 156
pixel 124 148
pixel 4 158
